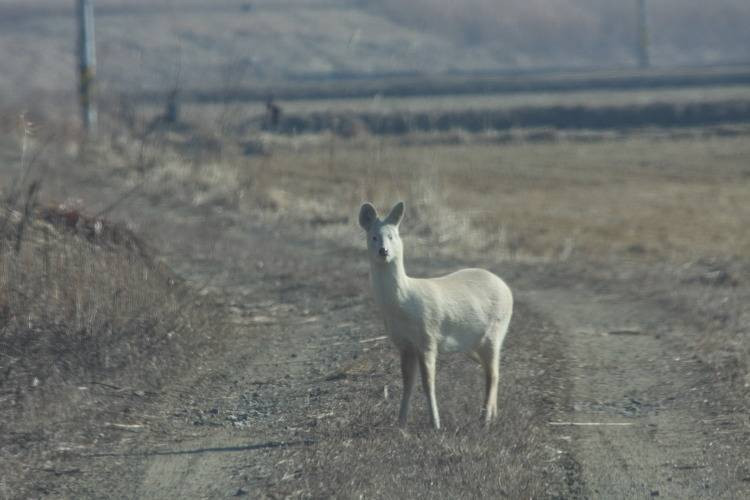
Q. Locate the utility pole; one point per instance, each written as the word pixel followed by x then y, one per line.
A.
pixel 643 38
pixel 87 64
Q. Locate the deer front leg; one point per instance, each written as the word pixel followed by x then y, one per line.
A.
pixel 427 364
pixel 409 376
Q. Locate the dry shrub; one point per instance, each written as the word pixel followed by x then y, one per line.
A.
pixel 82 302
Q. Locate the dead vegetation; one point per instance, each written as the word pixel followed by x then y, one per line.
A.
pixel 638 196
pixel 89 325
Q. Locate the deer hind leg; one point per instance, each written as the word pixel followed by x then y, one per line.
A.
pixel 409 376
pixel 490 358
pixel 427 365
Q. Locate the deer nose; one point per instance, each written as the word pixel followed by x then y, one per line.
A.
pixel 383 252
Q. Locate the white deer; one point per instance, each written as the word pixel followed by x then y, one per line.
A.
pixel 466 311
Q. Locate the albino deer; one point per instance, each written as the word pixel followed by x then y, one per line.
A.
pixel 466 311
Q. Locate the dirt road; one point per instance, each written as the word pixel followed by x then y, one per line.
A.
pixel 601 396
pixel 648 423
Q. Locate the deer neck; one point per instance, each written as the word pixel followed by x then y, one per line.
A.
pixel 389 281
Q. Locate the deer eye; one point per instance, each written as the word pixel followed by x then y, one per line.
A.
pixel 374 238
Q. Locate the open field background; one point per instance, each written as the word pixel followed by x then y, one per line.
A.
pixel 184 305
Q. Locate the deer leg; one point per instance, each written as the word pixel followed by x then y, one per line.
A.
pixel 427 364
pixel 490 356
pixel 409 376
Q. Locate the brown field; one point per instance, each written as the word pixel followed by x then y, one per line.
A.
pixel 647 196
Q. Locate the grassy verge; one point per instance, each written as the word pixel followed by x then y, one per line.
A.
pixel 90 327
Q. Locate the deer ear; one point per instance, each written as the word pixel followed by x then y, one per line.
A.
pixel 367 215
pixel 397 213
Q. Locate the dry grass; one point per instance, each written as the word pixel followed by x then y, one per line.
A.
pixel 89 326
pixel 641 196
pixel 92 301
